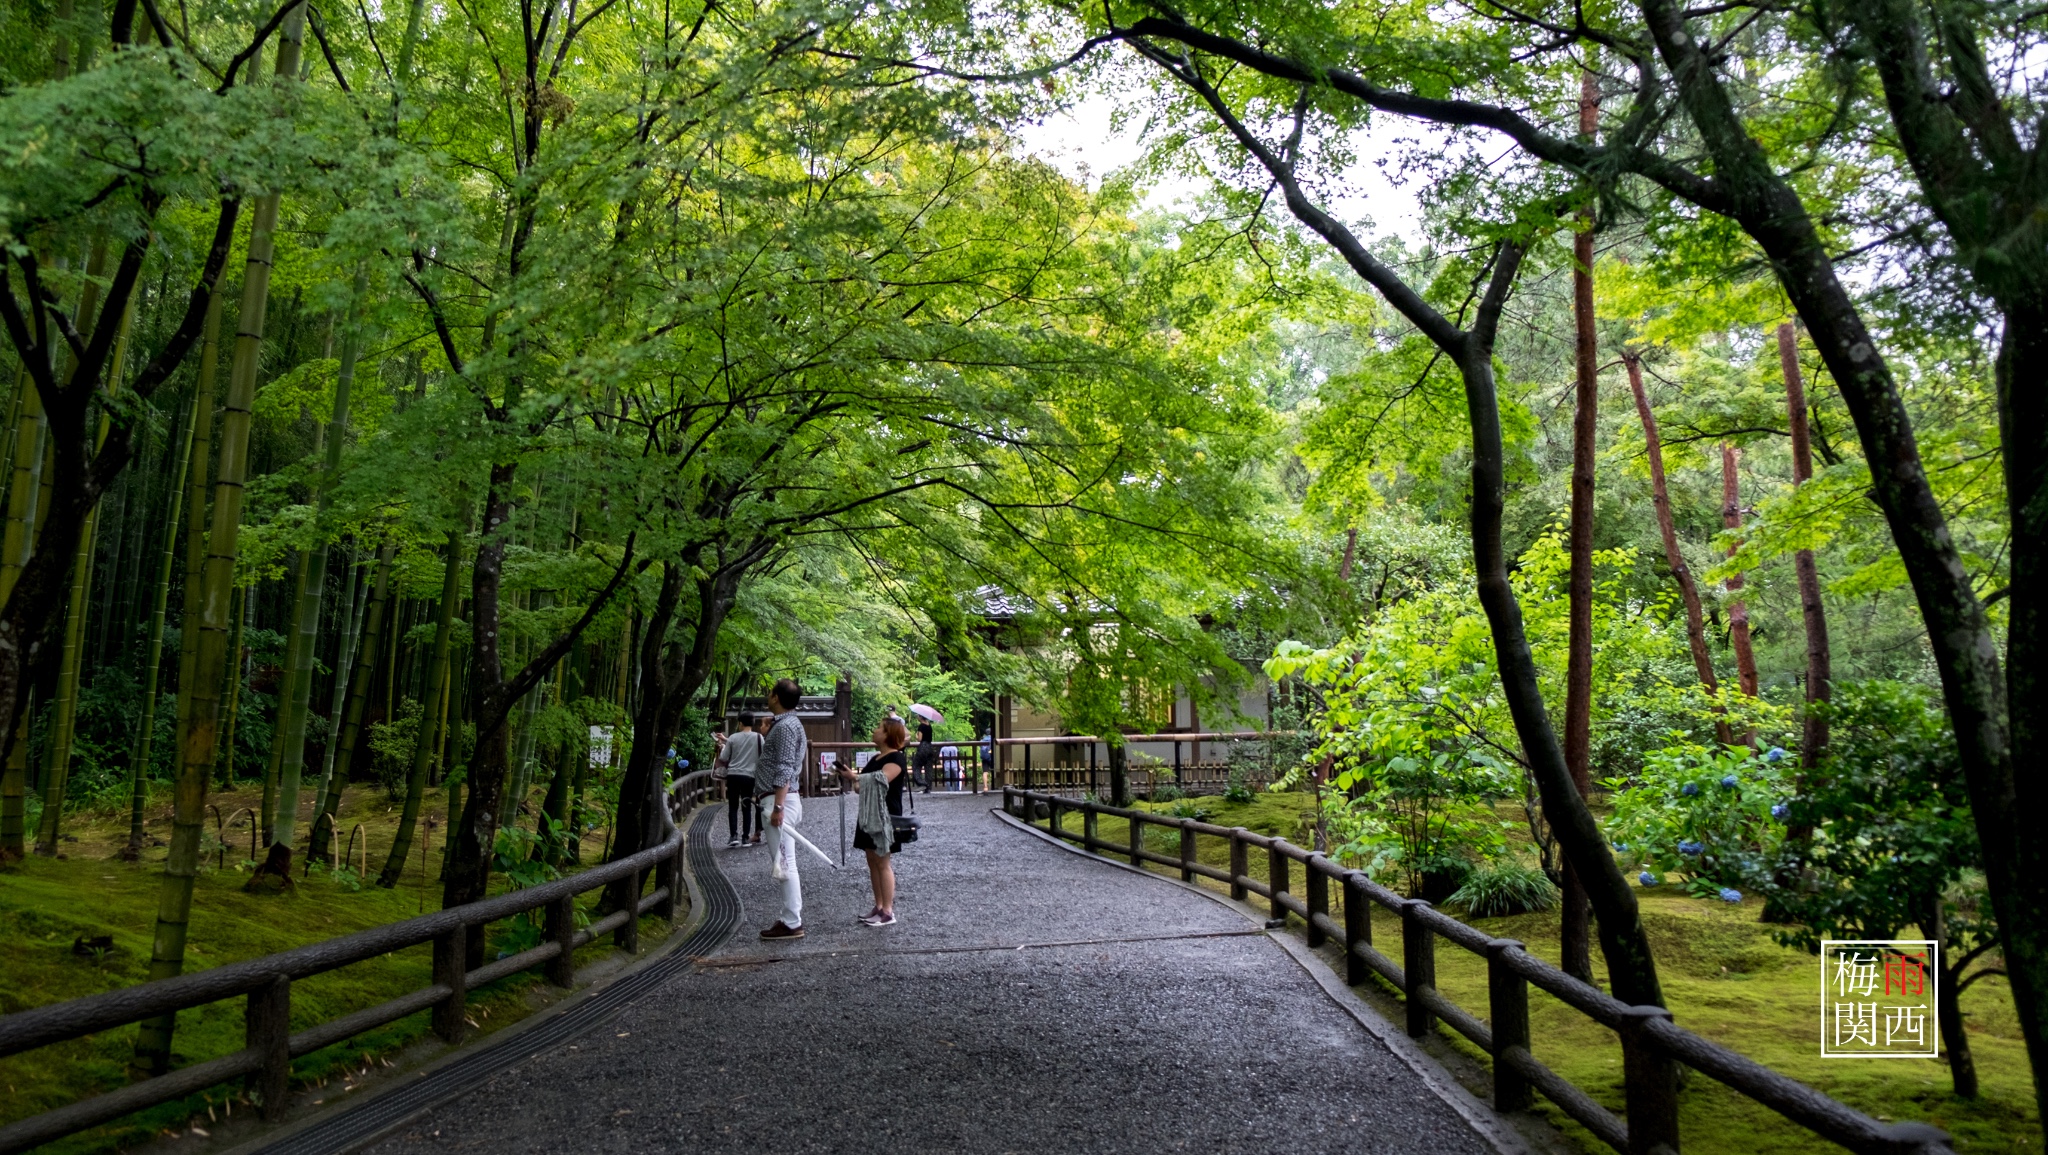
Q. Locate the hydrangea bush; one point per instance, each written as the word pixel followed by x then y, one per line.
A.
pixel 1703 813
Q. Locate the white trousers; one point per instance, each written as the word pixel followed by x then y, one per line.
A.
pixel 783 850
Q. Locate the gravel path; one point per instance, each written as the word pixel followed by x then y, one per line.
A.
pixel 1029 1000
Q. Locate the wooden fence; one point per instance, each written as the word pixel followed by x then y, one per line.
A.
pixel 1653 1048
pixel 1067 764
pixel 267 984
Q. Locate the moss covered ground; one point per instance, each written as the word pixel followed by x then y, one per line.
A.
pixel 47 905
pixel 1725 979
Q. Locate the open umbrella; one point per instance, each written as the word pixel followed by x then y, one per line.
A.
pixel 928 713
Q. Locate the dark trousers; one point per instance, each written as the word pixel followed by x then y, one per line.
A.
pixel 741 820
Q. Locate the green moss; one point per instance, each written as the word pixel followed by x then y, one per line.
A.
pixel 48 904
pixel 1724 979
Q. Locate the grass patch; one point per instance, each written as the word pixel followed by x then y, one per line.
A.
pixel 1724 979
pixel 47 904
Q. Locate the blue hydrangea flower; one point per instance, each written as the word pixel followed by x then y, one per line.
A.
pixel 1780 810
pixel 1689 789
pixel 1622 847
pixel 1689 847
pixel 1730 895
pixel 1730 781
pixel 1646 878
pixel 1775 754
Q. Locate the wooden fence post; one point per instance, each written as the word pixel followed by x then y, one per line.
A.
pixel 1357 929
pixel 1240 863
pixel 1650 1086
pixel 561 929
pixel 1137 840
pixel 1276 877
pixel 451 970
pixel 1052 821
pixel 1088 828
pixel 1318 899
pixel 1418 965
pixel 267 1030
pixel 627 937
pixel 1508 1007
pixel 1187 850
pixel 665 876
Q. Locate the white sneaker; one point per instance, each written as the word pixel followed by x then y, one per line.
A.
pixel 733 845
pixel 879 920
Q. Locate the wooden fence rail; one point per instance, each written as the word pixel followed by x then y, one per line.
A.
pixel 267 982
pixel 1653 1047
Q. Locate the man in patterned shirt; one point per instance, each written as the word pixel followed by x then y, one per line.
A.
pixel 776 783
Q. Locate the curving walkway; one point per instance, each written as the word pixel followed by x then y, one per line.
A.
pixel 1030 1000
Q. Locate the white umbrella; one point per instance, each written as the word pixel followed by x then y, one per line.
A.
pixel 928 713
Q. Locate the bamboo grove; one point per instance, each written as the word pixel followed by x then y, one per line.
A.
pixel 443 380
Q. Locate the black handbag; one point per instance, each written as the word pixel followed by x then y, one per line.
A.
pixel 904 828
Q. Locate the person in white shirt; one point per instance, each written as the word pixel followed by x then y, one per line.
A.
pixel 777 778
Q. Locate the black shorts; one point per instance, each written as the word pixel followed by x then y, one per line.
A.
pixel 861 841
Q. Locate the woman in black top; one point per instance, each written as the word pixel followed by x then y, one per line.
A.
pixel 889 739
pixel 927 757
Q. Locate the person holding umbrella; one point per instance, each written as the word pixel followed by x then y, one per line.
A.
pixel 927 765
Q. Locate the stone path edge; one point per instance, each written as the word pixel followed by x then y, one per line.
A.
pixel 1488 1124
pixel 507 1037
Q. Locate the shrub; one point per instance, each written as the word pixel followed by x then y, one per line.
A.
pixel 1700 812
pixel 1505 887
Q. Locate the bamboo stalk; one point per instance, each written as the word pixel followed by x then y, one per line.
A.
pixel 138 774
pixel 354 594
pixel 424 742
pixel 198 468
pixel 291 730
pixel 348 732
pixel 24 483
pixel 197 757
pixel 243 611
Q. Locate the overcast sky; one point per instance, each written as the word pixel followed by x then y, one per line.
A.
pixel 1081 141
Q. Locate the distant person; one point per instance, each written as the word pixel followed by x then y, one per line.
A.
pixel 927 757
pixel 881 802
pixel 776 782
pixel 741 757
pixel 949 762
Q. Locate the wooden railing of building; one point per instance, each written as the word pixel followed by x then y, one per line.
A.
pixel 1653 1047
pixel 267 984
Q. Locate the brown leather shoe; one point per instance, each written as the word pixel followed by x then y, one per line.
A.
pixel 783 930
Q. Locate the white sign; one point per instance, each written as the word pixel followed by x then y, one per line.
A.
pixel 1877 998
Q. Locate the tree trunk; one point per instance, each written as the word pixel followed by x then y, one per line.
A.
pixel 1948 1008
pixel 196 759
pixel 1574 933
pixel 662 669
pixel 63 725
pixel 349 728
pixel 1738 611
pixel 1119 774
pixel 1660 498
pixel 1813 738
pixel 471 841
pixel 2022 376
pixel 424 744
pixel 145 743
